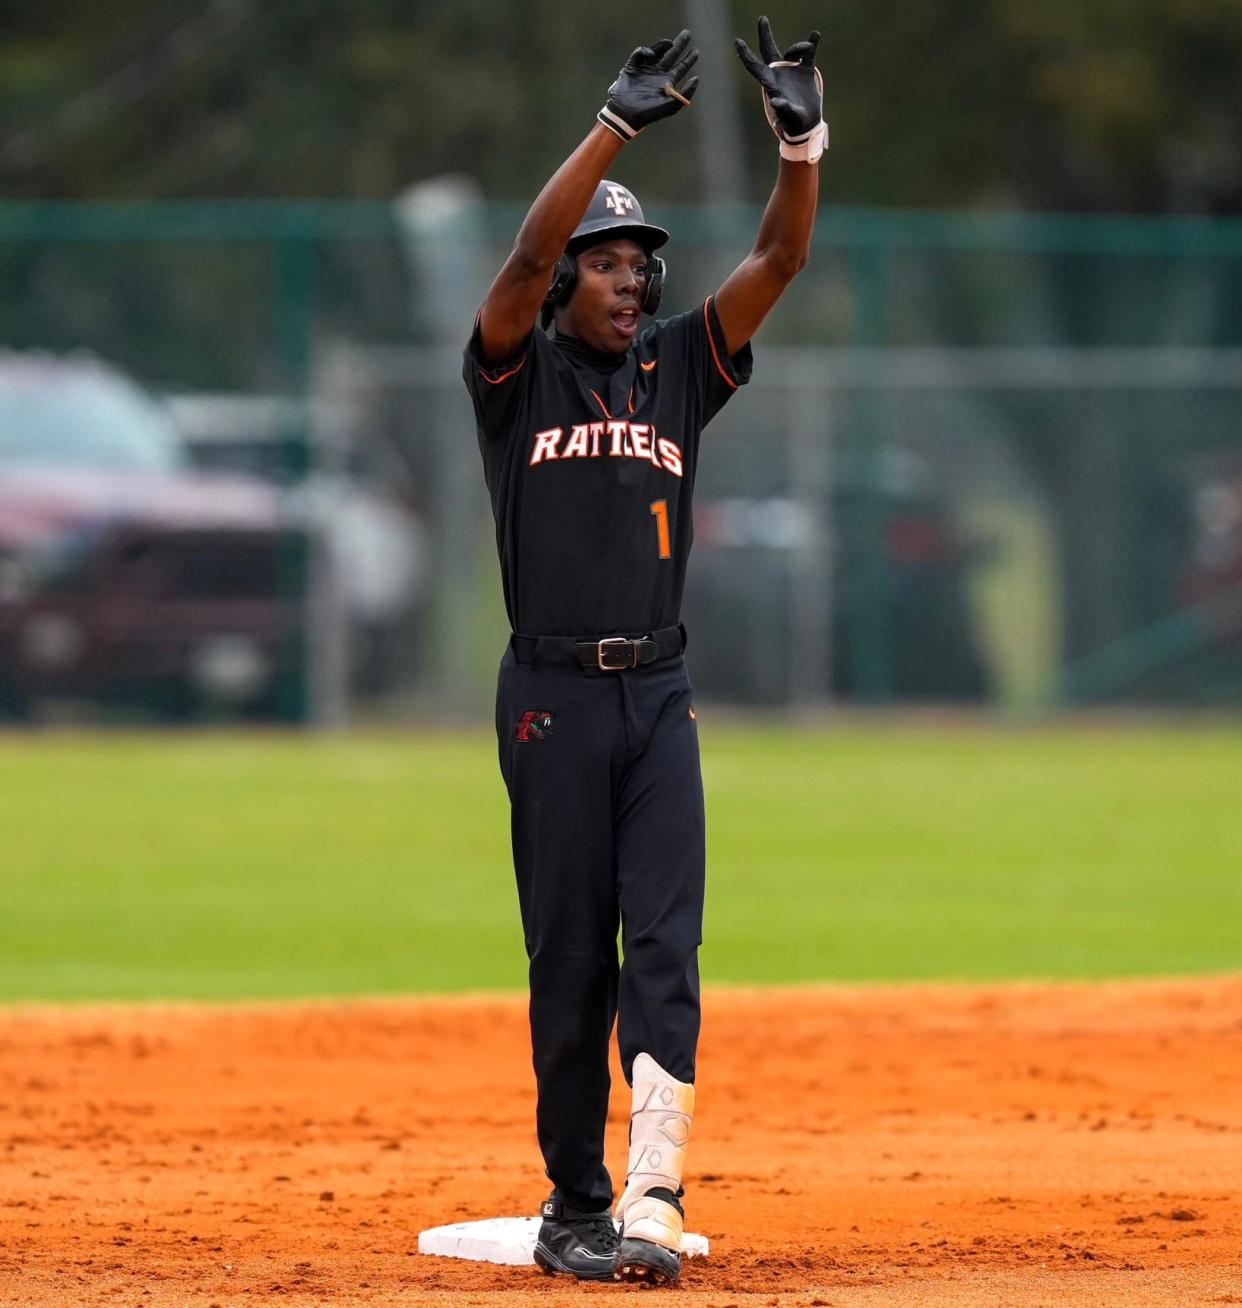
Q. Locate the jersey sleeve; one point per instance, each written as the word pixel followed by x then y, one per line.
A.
pixel 711 374
pixel 496 390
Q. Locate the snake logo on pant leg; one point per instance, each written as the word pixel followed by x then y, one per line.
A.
pixel 536 724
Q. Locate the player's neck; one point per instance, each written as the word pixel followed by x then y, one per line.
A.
pixel 581 352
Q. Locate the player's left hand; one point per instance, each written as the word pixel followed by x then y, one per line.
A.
pixel 792 87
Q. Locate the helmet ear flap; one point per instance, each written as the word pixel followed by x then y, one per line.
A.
pixel 655 284
pixel 564 279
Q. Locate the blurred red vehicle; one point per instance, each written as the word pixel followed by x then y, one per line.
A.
pixel 125 576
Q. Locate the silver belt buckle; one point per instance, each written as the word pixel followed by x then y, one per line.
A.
pixel 601 654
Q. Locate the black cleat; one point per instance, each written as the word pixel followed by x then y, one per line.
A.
pixel 576 1244
pixel 643 1262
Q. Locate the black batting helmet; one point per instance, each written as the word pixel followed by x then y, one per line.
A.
pixel 614 211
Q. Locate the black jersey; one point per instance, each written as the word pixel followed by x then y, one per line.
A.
pixel 591 473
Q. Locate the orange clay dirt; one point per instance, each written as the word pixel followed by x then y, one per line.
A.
pixel 1008 1145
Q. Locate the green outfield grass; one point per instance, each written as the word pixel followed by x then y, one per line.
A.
pixel 229 866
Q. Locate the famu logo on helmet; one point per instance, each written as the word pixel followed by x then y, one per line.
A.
pixel 614 211
pixel 535 724
pixel 619 200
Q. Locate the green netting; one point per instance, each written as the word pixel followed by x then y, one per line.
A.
pixel 986 458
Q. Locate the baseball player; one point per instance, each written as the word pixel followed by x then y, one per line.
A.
pixel 590 439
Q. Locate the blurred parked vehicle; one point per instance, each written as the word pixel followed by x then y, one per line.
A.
pixel 896 579
pixel 1198 658
pixel 125 575
pixel 356 491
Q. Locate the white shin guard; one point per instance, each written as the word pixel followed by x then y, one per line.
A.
pixel 659 1132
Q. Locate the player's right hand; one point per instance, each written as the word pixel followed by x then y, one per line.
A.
pixel 652 85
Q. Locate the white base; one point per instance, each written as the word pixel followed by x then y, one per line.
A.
pixel 508 1240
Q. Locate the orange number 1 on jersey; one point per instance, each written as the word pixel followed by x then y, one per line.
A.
pixel 659 510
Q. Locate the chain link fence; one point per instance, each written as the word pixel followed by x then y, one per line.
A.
pixel 985 460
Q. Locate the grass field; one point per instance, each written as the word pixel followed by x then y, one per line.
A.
pixel 222 865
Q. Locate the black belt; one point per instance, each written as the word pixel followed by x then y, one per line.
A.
pixel 610 654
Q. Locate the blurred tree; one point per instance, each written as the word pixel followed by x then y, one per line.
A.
pixel 1128 104
pixel 1062 104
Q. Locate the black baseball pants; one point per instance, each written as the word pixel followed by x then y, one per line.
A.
pixel 602 770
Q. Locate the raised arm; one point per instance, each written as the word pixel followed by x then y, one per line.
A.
pixel 793 100
pixel 652 85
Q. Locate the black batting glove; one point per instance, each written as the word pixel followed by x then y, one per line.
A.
pixel 793 92
pixel 652 85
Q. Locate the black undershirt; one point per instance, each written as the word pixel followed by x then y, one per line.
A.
pixel 581 352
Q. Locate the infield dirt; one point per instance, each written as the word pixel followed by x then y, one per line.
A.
pixel 1016 1145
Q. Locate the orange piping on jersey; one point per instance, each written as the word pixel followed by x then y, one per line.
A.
pixel 602 405
pixel 630 401
pixel 707 320
pixel 504 376
pixel 647 367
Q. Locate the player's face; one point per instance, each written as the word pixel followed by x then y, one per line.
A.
pixel 604 310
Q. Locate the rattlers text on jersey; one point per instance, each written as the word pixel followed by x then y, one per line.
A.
pixel 590 464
